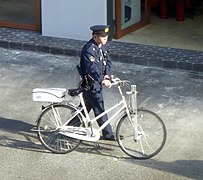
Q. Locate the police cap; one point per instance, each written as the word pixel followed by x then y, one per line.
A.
pixel 101 30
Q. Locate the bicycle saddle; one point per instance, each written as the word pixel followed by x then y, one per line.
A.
pixel 75 92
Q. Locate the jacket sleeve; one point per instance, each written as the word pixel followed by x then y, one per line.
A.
pixel 108 65
pixel 107 60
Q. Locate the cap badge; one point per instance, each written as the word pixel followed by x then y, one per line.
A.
pixel 106 30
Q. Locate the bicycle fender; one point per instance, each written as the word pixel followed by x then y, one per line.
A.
pixel 70 104
pixel 121 114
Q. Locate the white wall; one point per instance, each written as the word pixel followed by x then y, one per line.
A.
pixel 72 18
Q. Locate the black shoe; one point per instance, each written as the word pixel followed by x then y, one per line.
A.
pixel 112 137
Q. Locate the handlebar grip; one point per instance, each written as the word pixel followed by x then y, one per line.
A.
pixel 115 80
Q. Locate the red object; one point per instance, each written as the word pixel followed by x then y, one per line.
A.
pixel 180 11
pixel 163 9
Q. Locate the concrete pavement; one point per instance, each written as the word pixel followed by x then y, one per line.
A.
pixel 176 96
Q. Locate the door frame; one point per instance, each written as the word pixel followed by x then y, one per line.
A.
pixel 121 32
pixel 35 27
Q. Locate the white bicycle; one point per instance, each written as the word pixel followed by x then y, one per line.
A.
pixel 62 126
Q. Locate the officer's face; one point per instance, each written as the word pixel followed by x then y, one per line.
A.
pixel 101 39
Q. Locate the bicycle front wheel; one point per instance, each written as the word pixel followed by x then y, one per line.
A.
pixel 150 138
pixel 49 125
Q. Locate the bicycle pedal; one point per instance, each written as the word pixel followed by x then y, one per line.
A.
pixel 97 145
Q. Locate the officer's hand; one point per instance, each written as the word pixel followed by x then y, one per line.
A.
pixel 107 83
pixel 107 77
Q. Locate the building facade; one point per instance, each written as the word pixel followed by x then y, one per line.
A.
pixel 72 18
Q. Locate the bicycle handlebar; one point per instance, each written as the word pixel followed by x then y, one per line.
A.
pixel 117 81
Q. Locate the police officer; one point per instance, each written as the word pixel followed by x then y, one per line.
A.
pixel 95 62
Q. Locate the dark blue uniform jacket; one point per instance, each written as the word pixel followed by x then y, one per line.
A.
pixel 95 62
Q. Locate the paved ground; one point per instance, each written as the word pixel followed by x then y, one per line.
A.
pixel 176 96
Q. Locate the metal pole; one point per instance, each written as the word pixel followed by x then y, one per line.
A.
pixel 133 98
pixel 133 104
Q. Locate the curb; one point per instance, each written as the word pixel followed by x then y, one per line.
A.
pixel 145 55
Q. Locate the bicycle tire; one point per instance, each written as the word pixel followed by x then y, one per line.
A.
pixel 151 141
pixel 49 132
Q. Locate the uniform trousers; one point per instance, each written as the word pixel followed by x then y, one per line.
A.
pixel 94 101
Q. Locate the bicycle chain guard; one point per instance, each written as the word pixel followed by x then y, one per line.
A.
pixel 86 134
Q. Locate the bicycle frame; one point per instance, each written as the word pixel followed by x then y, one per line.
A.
pixel 123 107
pixel 59 134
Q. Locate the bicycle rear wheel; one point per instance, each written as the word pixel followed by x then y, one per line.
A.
pixel 49 126
pixel 152 135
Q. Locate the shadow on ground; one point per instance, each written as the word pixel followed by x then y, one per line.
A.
pixel 10 129
pixel 18 134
